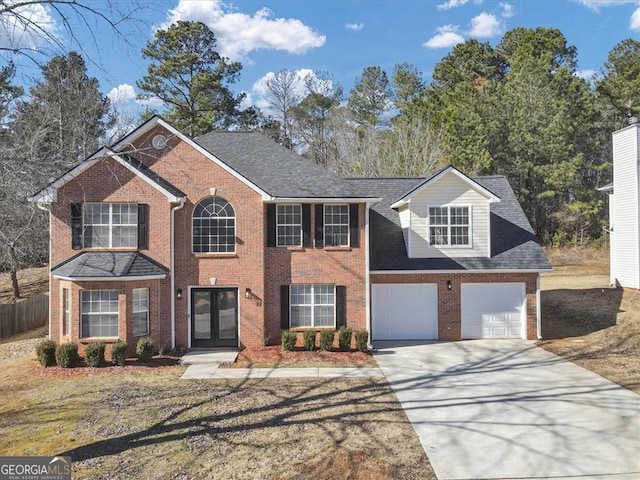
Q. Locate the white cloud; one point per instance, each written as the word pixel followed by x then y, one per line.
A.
pixel 507 10
pixel 634 23
pixel 585 74
pixel 259 90
pixel 122 94
pixel 446 37
pixel 596 4
pixel 27 26
pixel 239 33
pixel 455 3
pixel 485 25
pixel 356 27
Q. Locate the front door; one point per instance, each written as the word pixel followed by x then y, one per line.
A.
pixel 214 317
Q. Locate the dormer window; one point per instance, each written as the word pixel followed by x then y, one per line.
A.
pixel 449 226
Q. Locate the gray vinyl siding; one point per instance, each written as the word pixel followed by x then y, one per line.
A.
pixel 625 242
pixel 448 190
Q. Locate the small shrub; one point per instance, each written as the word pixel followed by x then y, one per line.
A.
pixel 326 340
pixel 46 352
pixel 94 354
pixel 362 338
pixel 344 338
pixel 309 340
pixel 144 349
pixel 119 353
pixel 289 340
pixel 66 355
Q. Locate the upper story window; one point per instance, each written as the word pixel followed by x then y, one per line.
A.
pixel 289 225
pixel 336 225
pixel 110 225
pixel 214 226
pixel 449 226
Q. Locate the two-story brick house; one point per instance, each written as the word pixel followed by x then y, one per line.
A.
pixel 229 238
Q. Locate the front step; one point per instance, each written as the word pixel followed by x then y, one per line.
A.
pixel 209 356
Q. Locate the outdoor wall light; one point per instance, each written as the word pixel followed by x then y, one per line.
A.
pixel 247 293
pixel 449 286
pixel 179 294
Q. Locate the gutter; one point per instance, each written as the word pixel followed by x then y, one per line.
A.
pixel 367 272
pixel 172 248
pixel 538 309
pixel 47 208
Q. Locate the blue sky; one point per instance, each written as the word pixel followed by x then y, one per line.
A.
pixel 343 37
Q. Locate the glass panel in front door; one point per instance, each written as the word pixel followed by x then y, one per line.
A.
pixel 227 305
pixel 202 315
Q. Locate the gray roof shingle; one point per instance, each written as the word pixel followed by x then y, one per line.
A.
pixel 109 265
pixel 514 246
pixel 273 168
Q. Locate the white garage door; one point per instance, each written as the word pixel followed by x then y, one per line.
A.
pixel 493 310
pixel 404 311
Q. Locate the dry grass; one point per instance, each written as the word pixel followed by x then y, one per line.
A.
pixel 588 322
pixel 141 424
pixel 30 281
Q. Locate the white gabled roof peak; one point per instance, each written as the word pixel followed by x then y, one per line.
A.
pixel 449 170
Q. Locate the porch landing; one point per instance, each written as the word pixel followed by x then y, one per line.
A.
pixel 209 356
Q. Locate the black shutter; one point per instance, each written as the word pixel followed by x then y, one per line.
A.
pixel 306 225
pixel 354 227
pixel 341 305
pixel 319 225
pixel 284 307
pixel 76 226
pixel 271 225
pixel 143 237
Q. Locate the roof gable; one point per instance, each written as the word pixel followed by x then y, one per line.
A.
pixel 432 181
pixel 50 192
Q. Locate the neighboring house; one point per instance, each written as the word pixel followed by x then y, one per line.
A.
pixel 624 207
pixel 227 239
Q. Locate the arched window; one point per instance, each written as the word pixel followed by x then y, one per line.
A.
pixel 214 226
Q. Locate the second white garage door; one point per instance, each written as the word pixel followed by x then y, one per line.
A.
pixel 401 311
pixel 493 310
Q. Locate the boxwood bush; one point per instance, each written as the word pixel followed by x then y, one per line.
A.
pixel 289 340
pixel 326 340
pixel 362 338
pixel 309 340
pixel 46 352
pixel 66 355
pixel 94 354
pixel 144 349
pixel 119 353
pixel 344 338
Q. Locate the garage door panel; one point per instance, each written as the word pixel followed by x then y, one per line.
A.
pixel 404 311
pixel 493 310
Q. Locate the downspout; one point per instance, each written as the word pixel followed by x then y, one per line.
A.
pixel 538 308
pixel 366 270
pixel 172 248
pixel 43 206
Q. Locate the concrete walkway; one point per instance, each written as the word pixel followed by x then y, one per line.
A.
pixel 507 409
pixel 212 371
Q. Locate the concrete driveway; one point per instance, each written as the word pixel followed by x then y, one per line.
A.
pixel 504 409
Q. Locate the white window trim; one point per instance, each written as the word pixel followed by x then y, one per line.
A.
pixel 66 310
pixel 235 229
pixel 110 225
pixel 299 225
pixel 97 313
pixel 324 224
pixel 134 311
pixel 448 207
pixel 312 305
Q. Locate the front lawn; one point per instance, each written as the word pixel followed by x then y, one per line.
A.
pixel 139 423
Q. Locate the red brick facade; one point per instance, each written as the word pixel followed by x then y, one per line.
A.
pixel 253 265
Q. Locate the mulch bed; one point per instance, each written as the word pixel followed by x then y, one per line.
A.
pixel 131 366
pixel 274 356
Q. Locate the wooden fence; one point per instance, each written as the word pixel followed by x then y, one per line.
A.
pixel 25 315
